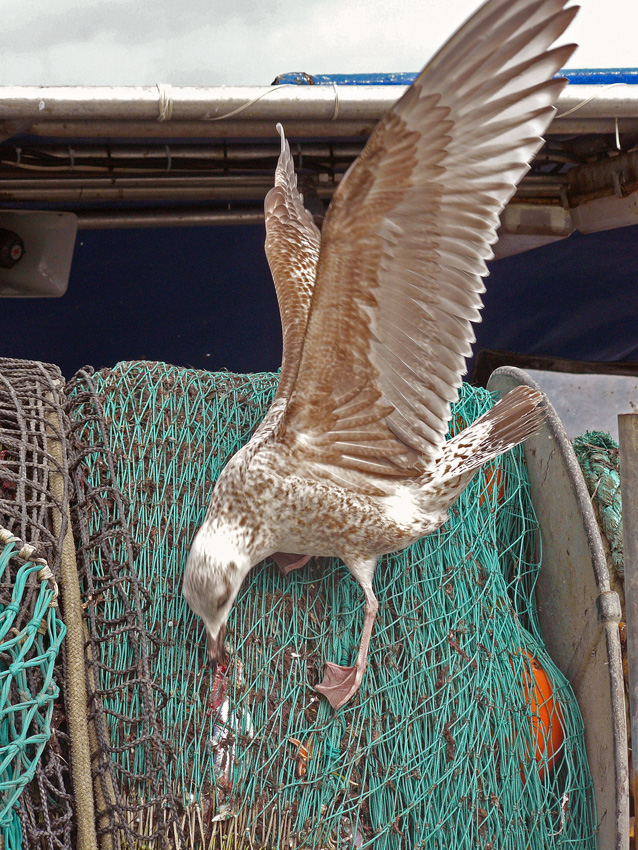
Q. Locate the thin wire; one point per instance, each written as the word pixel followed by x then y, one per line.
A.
pixel 596 94
pixel 245 106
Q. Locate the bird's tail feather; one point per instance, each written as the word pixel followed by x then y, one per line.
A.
pixel 513 419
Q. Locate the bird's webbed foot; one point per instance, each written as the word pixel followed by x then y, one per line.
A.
pixel 339 684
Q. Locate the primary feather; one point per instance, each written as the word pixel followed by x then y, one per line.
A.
pixel 292 249
pixel 407 236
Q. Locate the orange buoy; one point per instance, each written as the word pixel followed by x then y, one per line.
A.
pixel 547 722
pixel 494 482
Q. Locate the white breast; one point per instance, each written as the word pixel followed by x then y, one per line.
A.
pixel 403 508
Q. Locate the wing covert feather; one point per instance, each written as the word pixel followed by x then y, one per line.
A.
pixel 407 237
pixel 292 249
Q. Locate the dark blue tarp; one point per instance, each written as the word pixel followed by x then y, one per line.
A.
pixel 203 297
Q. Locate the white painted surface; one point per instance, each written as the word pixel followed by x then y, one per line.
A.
pixel 589 402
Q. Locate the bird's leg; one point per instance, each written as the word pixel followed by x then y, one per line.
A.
pixel 287 562
pixel 341 683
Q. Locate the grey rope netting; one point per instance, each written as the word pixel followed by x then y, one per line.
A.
pixel 34 745
pixel 464 734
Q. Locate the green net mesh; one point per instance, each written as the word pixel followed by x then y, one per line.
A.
pixel 463 734
pixel 31 634
pixel 34 495
pixel 598 456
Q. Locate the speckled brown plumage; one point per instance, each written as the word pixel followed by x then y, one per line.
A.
pixel 351 460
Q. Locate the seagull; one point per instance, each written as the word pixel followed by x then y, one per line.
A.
pixel 351 461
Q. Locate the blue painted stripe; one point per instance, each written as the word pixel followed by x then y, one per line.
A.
pixel 301 79
pixel 601 76
pixel 577 76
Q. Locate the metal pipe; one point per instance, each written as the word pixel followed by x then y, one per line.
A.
pixel 187 103
pixel 223 187
pixel 260 103
pixel 254 180
pixel 141 193
pixel 207 152
pixel 295 129
pixel 234 129
pixel 83 182
pixel 617 100
pixel 148 190
pixel 581 125
pixel 549 220
pixel 628 443
pixel 167 218
pixel 194 189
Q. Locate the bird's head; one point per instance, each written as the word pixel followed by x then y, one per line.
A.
pixel 216 567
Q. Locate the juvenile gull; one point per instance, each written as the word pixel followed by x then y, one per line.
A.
pixel 351 460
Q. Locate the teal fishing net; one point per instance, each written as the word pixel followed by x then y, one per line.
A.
pixel 36 791
pixel 31 634
pixel 463 734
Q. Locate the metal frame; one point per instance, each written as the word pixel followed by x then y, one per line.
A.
pixel 628 444
pixel 579 611
pixel 148 156
pixel 44 109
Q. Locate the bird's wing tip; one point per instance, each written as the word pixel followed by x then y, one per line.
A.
pixel 280 130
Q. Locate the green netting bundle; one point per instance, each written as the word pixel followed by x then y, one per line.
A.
pixel 31 634
pixel 598 456
pixel 463 734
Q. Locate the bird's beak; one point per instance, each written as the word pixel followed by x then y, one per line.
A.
pixel 216 652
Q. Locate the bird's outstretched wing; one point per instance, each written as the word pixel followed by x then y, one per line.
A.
pixel 292 249
pixel 406 239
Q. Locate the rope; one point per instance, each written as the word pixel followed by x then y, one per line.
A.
pixel 598 456
pixel 165 102
pixel 335 114
pixel 75 682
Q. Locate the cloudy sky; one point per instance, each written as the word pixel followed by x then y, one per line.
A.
pixel 241 42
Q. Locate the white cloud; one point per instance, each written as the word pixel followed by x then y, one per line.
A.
pixel 139 42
